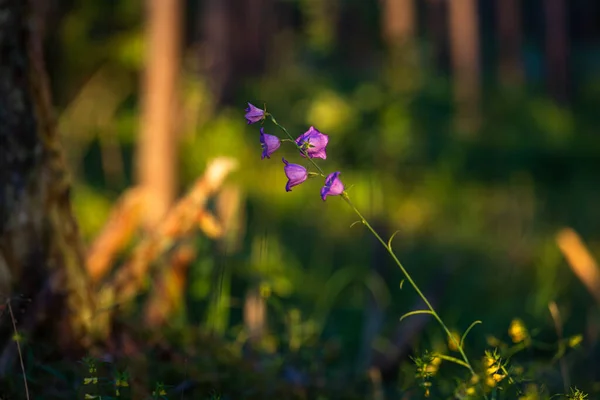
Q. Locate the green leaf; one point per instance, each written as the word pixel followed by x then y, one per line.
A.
pixel 389 243
pixel 402 283
pixel 452 359
pixel 464 336
pixel 354 223
pixel 408 314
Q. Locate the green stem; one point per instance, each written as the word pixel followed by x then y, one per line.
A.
pixel 415 287
pixel 411 281
pixel 391 253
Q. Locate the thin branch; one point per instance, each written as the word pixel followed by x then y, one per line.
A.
pixel 17 341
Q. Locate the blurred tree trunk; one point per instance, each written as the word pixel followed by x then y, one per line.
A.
pixel 437 27
pixel 557 51
pixel 217 53
pixel 158 143
pixel 236 34
pixel 399 22
pixel 510 68
pixel 398 30
pixel 464 50
pixel 41 257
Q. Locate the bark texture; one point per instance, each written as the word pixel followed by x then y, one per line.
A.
pixel 41 254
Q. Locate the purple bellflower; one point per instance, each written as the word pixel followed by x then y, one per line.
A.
pixel 333 186
pixel 269 144
pixel 295 173
pixel 314 143
pixel 254 114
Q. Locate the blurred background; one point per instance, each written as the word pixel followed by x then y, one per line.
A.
pixel 469 126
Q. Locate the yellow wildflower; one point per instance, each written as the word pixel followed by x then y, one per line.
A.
pixel 574 341
pixel 453 341
pixel 517 331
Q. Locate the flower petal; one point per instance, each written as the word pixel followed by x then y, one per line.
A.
pixel 269 143
pixel 333 186
pixel 318 154
pixel 295 173
pixel 317 139
pixel 254 114
pixel 314 143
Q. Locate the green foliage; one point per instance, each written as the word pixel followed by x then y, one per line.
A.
pixel 576 394
pixel 478 214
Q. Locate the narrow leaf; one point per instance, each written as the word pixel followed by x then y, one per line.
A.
pixel 451 359
pixel 402 283
pixel 408 314
pixel 354 223
pixel 464 336
pixel 389 244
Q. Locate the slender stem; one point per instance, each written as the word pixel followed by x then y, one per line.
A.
pixel 410 280
pixel 391 253
pixel 415 287
pixel 17 341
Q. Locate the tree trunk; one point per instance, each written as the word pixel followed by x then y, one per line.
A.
pixel 158 144
pixel 510 68
pixel 557 51
pixel 236 35
pixel 399 22
pixel 437 26
pixel 464 49
pixel 41 257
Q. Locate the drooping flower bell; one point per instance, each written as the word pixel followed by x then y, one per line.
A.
pixel 269 144
pixel 295 173
pixel 254 114
pixel 333 186
pixel 313 143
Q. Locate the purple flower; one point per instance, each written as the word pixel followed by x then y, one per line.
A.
pixel 254 114
pixel 295 173
pixel 314 143
pixel 333 186
pixel 269 144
